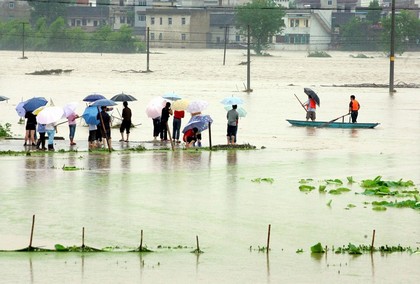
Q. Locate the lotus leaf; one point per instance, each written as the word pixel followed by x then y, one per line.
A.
pixel 317 248
pixel 334 181
pixel 306 188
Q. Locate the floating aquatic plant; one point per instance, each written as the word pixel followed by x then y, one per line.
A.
pixel 378 182
pixel 299 251
pixel 339 190
pixel 350 180
pixel 259 180
pixel 306 188
pixel 70 168
pixel 322 188
pixel 317 248
pixel 329 203
pixel 334 181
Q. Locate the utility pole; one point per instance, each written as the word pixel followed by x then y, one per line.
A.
pixel 226 37
pixel 392 50
pixel 147 47
pixel 248 73
pixel 23 41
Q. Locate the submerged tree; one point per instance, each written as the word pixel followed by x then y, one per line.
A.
pixel 48 9
pixel 265 20
pixel 407 31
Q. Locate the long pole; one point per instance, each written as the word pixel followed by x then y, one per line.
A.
pixel 392 50
pixel 170 137
pixel 210 135
pixel 248 69
pixel 148 48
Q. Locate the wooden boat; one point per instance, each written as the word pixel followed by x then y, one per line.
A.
pixel 334 124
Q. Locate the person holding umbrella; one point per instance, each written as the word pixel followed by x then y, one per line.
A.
pixel 166 113
pixel 232 125
pixel 30 129
pixel 310 105
pixel 50 129
pixel 104 117
pixel 72 127
pixel 126 121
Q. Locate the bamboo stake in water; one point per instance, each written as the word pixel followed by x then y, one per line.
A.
pixel 198 246
pixel 32 231
pixel 141 240
pixel 268 238
pixel 373 241
pixel 83 237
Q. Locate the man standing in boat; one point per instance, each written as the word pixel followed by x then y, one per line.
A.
pixel 310 105
pixel 354 107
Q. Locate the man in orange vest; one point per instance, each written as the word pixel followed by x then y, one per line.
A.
pixel 310 105
pixel 354 107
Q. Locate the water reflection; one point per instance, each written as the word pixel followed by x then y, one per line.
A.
pixel 354 133
pixel 311 131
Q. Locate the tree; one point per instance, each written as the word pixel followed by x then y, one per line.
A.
pixel 359 35
pixel 374 12
pixel 49 9
pixel 407 31
pixel 265 20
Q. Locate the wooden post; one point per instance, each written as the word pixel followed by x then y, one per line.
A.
pixel 268 237
pixel 198 246
pixel 32 231
pixel 210 135
pixel 170 137
pixel 373 241
pixel 83 237
pixel 141 240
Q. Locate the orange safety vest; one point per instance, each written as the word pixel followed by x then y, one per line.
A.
pixel 355 105
pixel 312 103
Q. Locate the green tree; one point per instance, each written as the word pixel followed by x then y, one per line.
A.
pixel 374 12
pixel 265 20
pixel 407 31
pixel 359 35
pixel 56 35
pixel 49 9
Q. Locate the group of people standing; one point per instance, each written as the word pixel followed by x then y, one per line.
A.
pixel 98 132
pixel 44 131
pixel 161 124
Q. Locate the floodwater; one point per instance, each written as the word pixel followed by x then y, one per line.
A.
pixel 175 196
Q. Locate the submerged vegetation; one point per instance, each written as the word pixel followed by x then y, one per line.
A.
pixel 372 187
pixel 318 54
pixel 5 130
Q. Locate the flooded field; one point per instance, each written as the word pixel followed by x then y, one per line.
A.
pixel 175 196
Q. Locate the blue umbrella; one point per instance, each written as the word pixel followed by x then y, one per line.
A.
pixel 171 97
pixel 93 97
pixel 90 115
pixel 103 102
pixel 199 121
pixel 241 111
pixel 232 101
pixel 20 110
pixel 34 103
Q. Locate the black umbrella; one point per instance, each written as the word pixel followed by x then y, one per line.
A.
pixel 312 94
pixel 123 98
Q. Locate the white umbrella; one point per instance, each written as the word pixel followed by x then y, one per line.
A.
pixel 197 106
pixel 155 106
pixel 50 115
pixel 70 108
